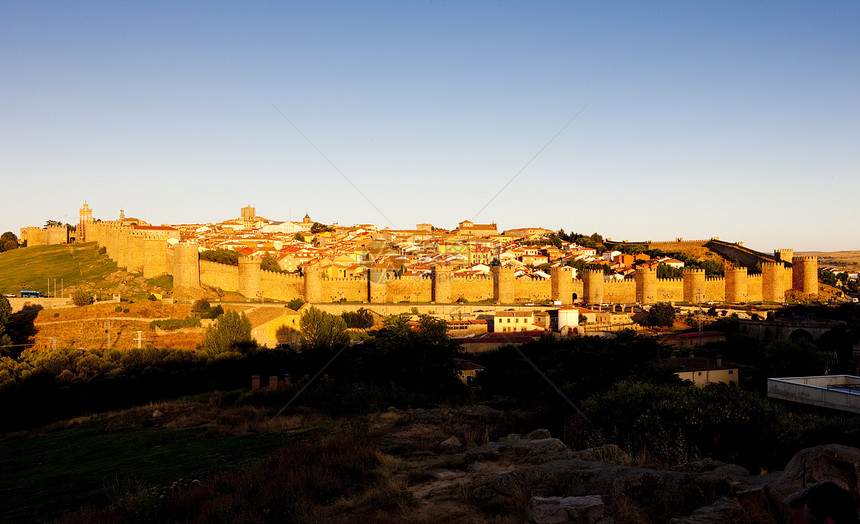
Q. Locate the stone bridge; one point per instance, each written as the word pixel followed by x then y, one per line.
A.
pixel 769 330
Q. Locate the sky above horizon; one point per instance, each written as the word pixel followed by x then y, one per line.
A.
pixel 637 120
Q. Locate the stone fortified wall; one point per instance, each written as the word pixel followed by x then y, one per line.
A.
pixel 139 252
pixel 410 289
pixel 47 236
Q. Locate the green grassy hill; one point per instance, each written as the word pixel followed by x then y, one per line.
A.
pixel 72 264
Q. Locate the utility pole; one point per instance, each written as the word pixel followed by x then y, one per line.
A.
pixel 139 338
pixel 107 330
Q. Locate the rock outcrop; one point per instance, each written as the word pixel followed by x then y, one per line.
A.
pixel 537 477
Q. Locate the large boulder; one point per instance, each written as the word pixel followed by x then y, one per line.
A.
pixel 833 462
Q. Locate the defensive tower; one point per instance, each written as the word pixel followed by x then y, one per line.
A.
pixel 503 285
pixel 561 279
pixel 783 255
pixel 646 285
pixel 85 216
pixel 592 282
pixel 772 286
pixel 312 283
pixel 250 277
pixel 377 285
pixel 186 267
pixel 736 284
pixel 442 285
pixel 694 285
pixel 805 274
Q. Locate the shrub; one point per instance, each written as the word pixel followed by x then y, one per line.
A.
pixel 81 298
pixel 118 309
pixel 151 297
pixel 175 323
pixel 203 309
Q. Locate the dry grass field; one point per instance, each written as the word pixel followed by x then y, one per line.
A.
pixel 847 260
pixel 85 327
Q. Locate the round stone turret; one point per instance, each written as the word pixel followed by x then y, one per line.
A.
pixel 805 274
pixel 646 285
pixel 592 282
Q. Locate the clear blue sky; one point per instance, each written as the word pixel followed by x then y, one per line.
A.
pixel 695 119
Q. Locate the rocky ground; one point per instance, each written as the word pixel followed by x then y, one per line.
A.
pixel 457 473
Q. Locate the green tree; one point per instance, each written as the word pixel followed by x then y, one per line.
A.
pixel 661 315
pixel 322 331
pixel 713 268
pixel 360 319
pixel 221 256
pixel 82 298
pixel 8 241
pixel 270 263
pixel 295 304
pixel 232 333
pixel 827 277
pixel 667 271
pixel 419 354
pixel 793 358
pixel 320 228
pixel 200 307
pixel 300 237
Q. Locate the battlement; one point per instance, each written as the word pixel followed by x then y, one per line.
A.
pixel 531 277
pixel 283 276
pixel 665 245
pixel 470 278
pixel 416 278
pixel 784 255
pixel 810 258
pixel 693 270
pixel 670 280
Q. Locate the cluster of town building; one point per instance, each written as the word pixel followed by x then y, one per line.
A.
pixel 470 249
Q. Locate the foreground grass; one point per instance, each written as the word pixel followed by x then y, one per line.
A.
pixel 71 264
pixel 90 465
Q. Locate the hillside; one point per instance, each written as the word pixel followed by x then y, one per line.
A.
pixel 845 260
pixel 85 327
pixel 71 264
pixel 198 461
